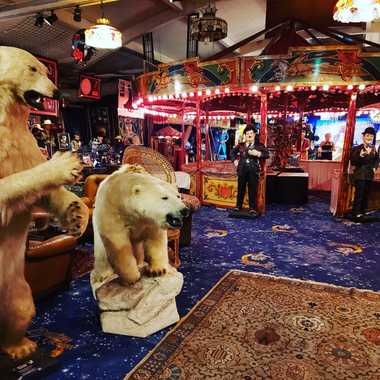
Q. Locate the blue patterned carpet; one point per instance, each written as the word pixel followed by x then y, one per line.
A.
pixel 305 243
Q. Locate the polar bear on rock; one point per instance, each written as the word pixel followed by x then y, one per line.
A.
pixel 133 211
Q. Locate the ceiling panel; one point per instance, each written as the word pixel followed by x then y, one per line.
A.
pixel 318 13
pixel 244 18
pixel 50 41
pixel 124 13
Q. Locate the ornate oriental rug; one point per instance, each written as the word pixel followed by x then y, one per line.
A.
pixel 252 326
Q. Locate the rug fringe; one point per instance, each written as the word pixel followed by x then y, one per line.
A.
pixel 317 283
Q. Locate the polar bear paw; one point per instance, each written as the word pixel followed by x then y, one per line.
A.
pixel 65 168
pixel 76 217
pixel 18 351
pixel 130 278
pixel 156 271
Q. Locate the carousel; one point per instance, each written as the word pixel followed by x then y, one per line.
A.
pixel 278 90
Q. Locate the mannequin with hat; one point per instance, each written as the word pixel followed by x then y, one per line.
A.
pixel 365 158
pixel 39 135
pixel 246 157
pixel 303 145
pixel 117 149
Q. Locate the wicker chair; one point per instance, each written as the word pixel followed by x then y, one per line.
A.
pixel 157 165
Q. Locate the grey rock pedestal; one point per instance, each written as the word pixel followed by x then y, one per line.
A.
pixel 140 309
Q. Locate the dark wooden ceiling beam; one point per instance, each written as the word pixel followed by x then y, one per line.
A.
pixel 356 38
pixel 313 36
pixel 226 52
pixel 326 32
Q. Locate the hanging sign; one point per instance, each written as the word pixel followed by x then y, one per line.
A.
pixel 89 87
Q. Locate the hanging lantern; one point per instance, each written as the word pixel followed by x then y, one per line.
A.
pixel 103 35
pixel 357 10
pixel 208 28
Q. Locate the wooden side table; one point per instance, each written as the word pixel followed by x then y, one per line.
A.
pixel 173 247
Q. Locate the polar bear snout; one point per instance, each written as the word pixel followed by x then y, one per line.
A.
pixel 57 94
pixel 174 220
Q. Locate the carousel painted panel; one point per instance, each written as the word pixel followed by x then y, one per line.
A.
pixel 335 65
pixel 188 76
pixel 193 184
pixel 223 72
pixel 220 191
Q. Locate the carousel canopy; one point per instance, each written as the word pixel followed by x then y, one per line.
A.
pixel 310 77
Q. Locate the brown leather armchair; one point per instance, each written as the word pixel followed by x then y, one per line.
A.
pixel 48 257
pixel 91 185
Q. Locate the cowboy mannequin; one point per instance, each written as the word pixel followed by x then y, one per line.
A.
pixel 246 157
pixel 366 160
pixel 303 145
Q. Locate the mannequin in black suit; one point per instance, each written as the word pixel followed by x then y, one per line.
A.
pixel 365 158
pixel 246 157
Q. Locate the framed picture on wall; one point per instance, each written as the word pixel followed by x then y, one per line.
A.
pixel 50 105
pixel 89 87
pixel 63 141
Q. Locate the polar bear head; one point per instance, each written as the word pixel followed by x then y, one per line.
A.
pixel 142 196
pixel 26 75
pixel 155 199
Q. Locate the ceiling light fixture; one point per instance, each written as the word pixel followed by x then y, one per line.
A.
pixel 50 20
pixel 103 35
pixel 77 15
pixel 39 20
pixel 357 10
pixel 209 28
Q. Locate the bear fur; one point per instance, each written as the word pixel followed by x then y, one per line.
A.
pixel 133 211
pixel 27 179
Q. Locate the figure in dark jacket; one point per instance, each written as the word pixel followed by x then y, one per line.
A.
pixel 365 158
pixel 246 157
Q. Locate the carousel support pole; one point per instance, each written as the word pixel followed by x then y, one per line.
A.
pixel 183 154
pixel 199 150
pixel 183 130
pixel 260 199
pixel 301 108
pixel 343 190
pixel 207 129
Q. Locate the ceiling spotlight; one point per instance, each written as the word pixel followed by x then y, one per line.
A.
pixel 39 20
pixel 77 15
pixel 50 20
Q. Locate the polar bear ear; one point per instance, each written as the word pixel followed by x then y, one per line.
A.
pixel 136 189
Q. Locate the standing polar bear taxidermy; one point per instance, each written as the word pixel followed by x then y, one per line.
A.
pixel 26 179
pixel 133 210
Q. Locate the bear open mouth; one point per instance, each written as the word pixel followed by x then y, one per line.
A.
pixel 34 99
